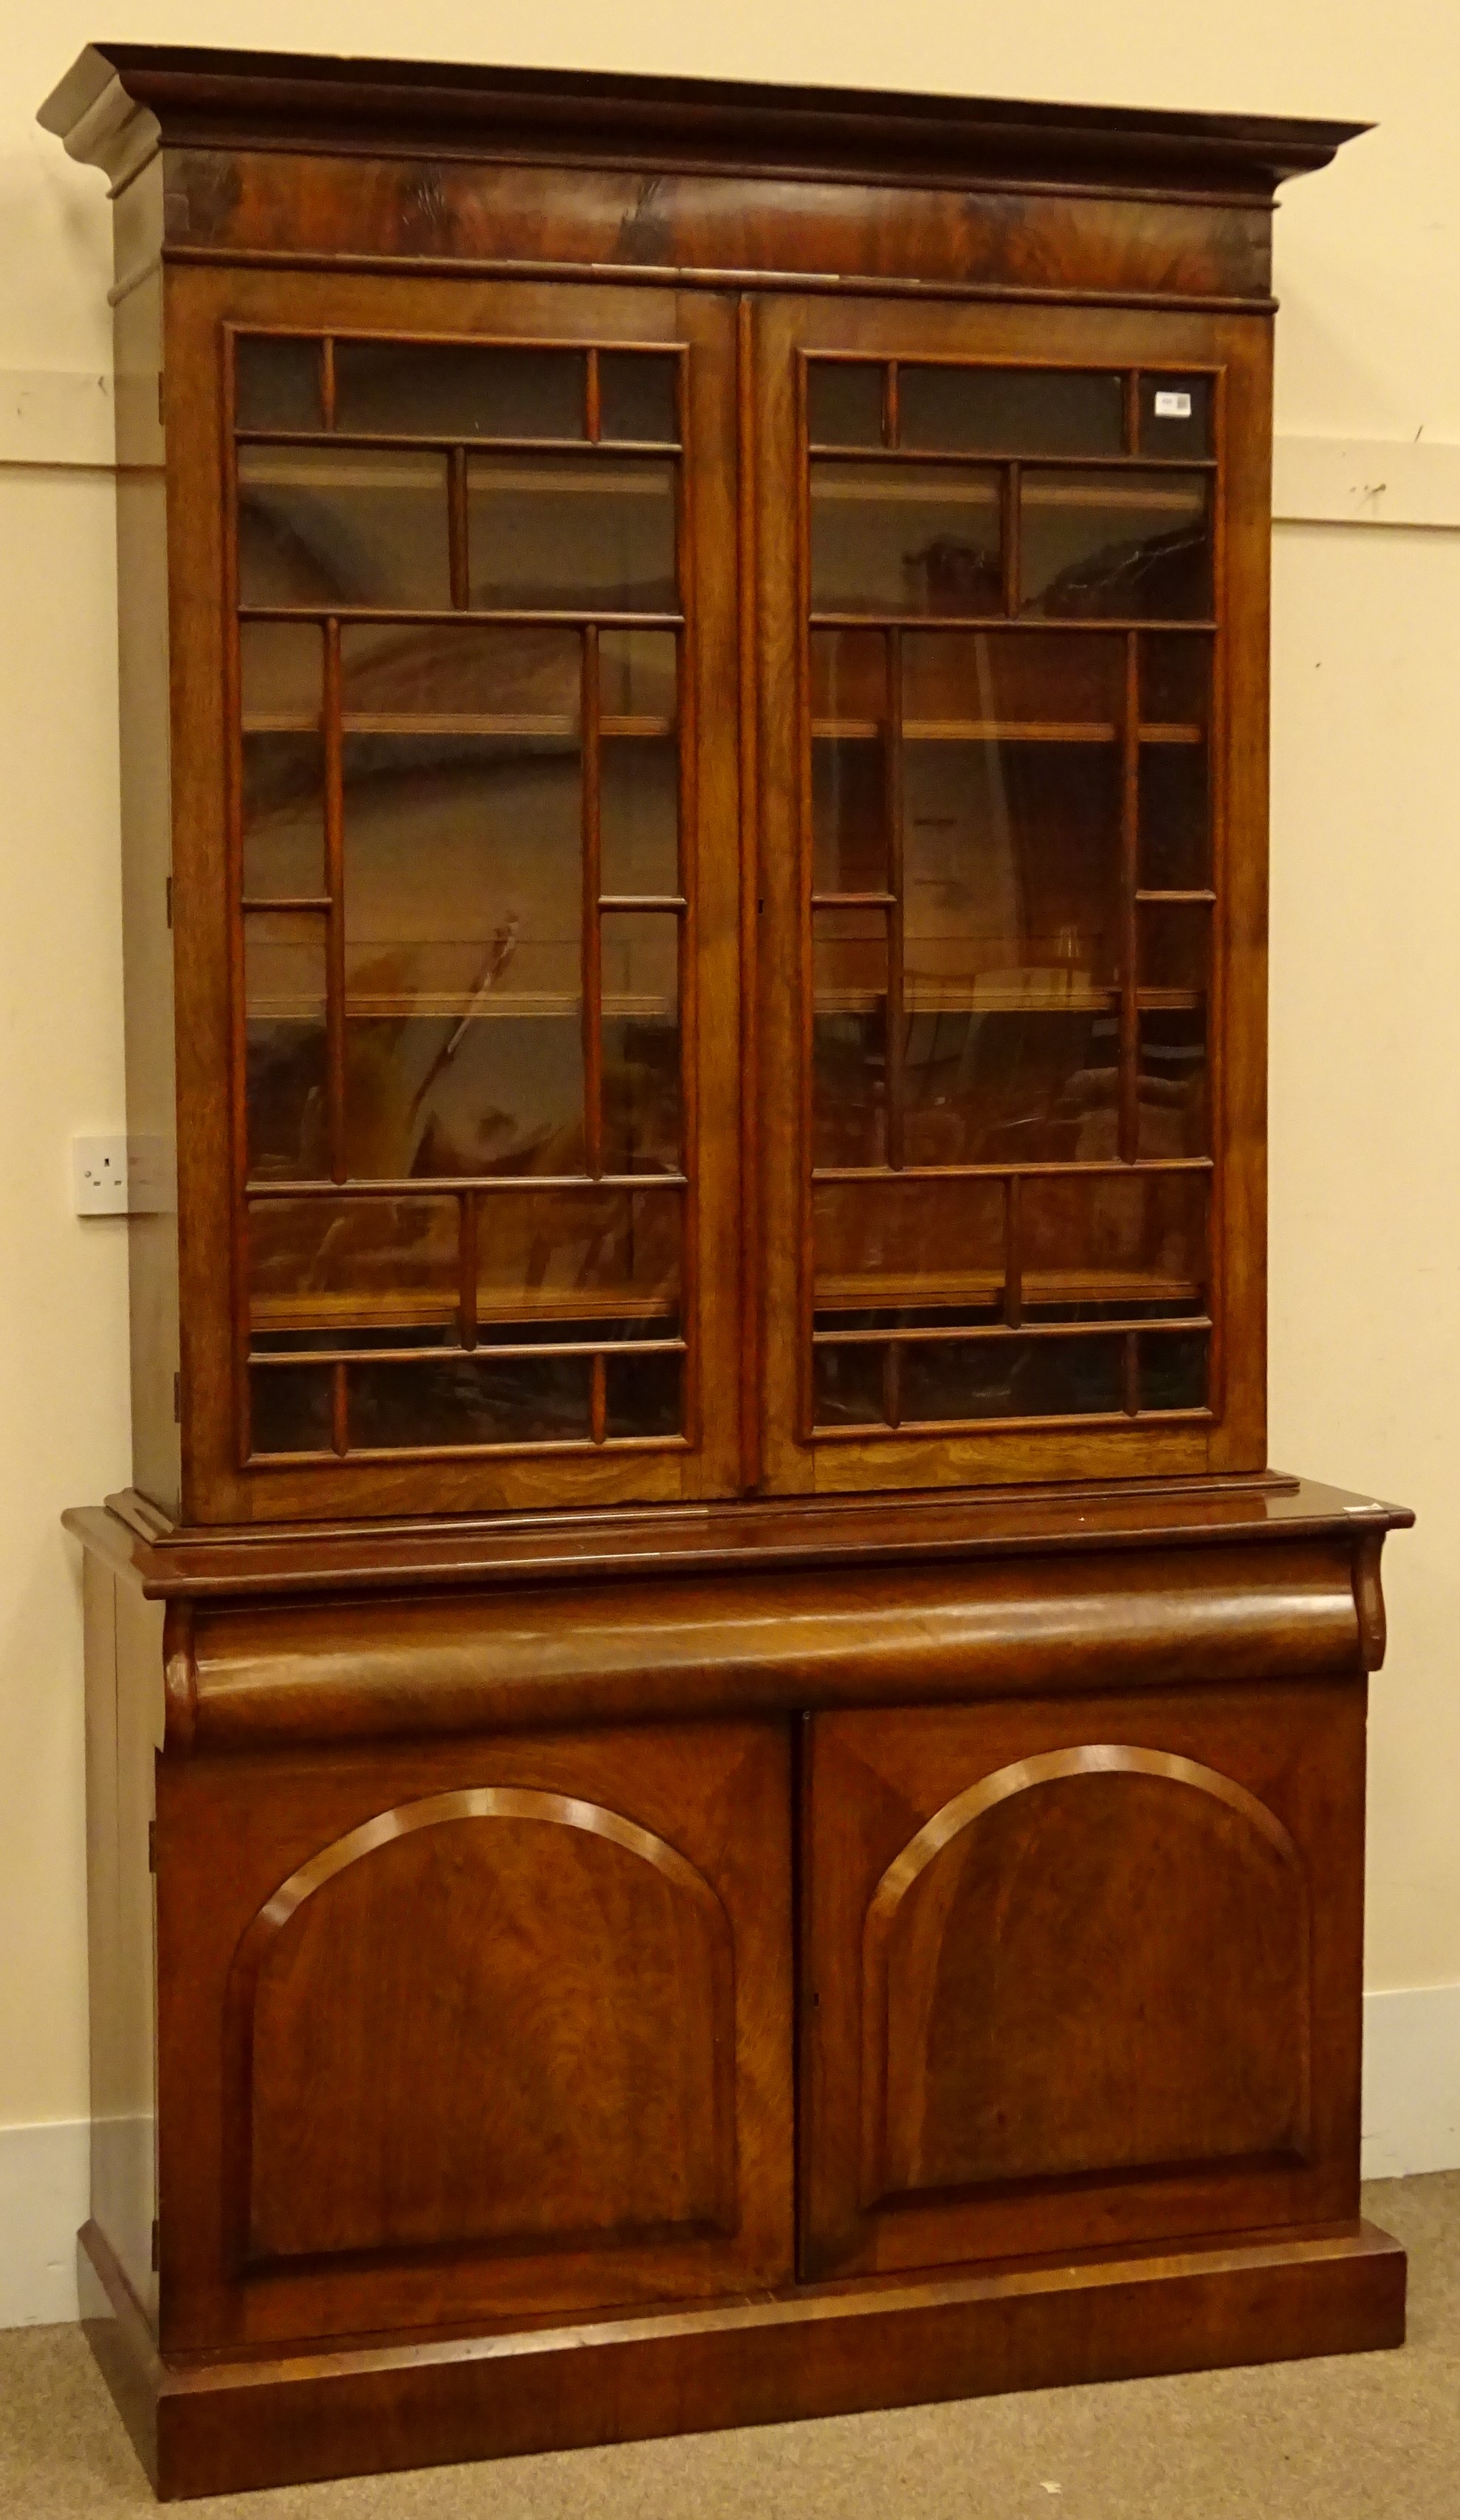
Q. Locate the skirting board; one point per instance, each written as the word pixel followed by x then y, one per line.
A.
pixel 1411 2123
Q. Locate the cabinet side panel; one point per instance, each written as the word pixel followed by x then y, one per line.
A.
pixel 123 1703
pixel 147 861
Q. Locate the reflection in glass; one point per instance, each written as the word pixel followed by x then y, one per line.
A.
pixel 340 1264
pixel 1133 546
pixel 284 996
pixel 576 1255
pixel 913 539
pixel 463 909
pixel 1171 1114
pixel 1173 1370
pixel 469 1400
pixel 568 536
pixel 1175 415
pixel 277 383
pixel 638 675
pixel 1029 1087
pixel 1175 670
pixel 849 681
pixel 334 526
pixel 843 403
pixel 848 1037
pixel 848 815
pixel 1011 1377
pixel 1173 818
pixel 897 1243
pixel 283 807
pixel 1126 1245
pixel 641 1117
pixel 848 1386
pixel 1011 856
pixel 281 666
pixel 290 1409
pixel 953 680
pixel 639 814
pixel 643 1395
pixel 637 398
pixel 1174 946
pixel 1010 411
pixel 458 390
pixel 446 674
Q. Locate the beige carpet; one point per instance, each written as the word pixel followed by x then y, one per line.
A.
pixel 1371 2435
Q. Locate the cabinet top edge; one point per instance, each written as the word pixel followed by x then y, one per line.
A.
pixel 757 1536
pixel 206 96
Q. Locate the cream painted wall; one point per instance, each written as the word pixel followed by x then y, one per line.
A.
pixel 1366 1025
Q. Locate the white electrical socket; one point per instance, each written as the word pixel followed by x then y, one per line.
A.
pixel 99 1176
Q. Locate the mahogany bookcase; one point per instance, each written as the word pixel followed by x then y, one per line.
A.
pixel 721 1785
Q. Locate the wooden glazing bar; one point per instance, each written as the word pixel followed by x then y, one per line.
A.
pixel 966 456
pixel 1148 892
pixel 945 1335
pixel 668 901
pixel 1027 623
pixel 399 1456
pixel 1130 1372
pixel 237 968
pixel 1218 771
pixel 852 900
pixel 486 1352
pixel 805 843
pixel 592 936
pixel 1011 527
pixel 892 1383
pixel 326 386
pixel 338 1409
pixel 412 441
pixel 1130 398
pixel 1013 1252
pixel 593 428
pixel 892 810
pixel 467 1260
pixel 598 1397
pixel 892 409
pixel 451 1185
pixel 458 529
pixel 1072 1422
pixel 1110 1166
pixel 747 661
pixel 334 886
pixel 686 702
pixel 508 616
pixel 316 901
pixel 1129 1053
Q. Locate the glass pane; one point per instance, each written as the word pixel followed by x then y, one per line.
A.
pixel 478 1399
pixel 638 674
pixel 1175 680
pixel 643 1395
pixel 281 669
pixel 1011 860
pixel 463 914
pixel 333 1266
pixel 578 1255
pixel 641 1121
pixel 283 817
pixel 290 1408
pixel 843 403
pixel 905 538
pixel 888 1247
pixel 636 397
pixel 1174 1371
pixel 848 1037
pixel 639 815
pixel 848 1385
pixel 848 815
pixel 1010 411
pixel 449 674
pixel 1132 546
pixel 953 680
pixel 1011 1377
pixel 1175 415
pixel 849 681
pixel 1130 1246
pixel 1006 1087
pixel 458 390
pixel 1171 1117
pixel 570 537
pixel 1174 940
pixel 276 384
pixel 1174 854
pixel 283 995
pixel 330 527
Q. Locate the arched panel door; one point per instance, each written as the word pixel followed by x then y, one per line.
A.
pixel 1067 1980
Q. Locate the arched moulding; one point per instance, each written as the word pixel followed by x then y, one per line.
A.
pixel 493 2018
pixel 1093 1961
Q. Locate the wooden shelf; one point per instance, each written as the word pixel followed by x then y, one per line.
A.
pixel 419 721
pixel 876 1290
pixel 414 1308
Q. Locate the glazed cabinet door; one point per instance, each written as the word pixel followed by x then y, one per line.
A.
pixel 456 892
pixel 1080 1974
pixel 1013 569
pixel 488 2031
